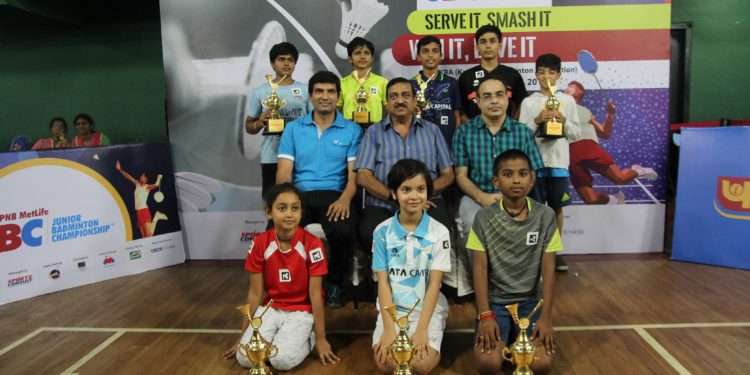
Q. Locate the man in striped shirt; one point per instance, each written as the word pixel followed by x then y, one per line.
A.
pixel 401 135
pixel 478 142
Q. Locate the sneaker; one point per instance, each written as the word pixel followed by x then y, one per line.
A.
pixel 645 172
pixel 334 296
pixel 560 264
pixel 618 198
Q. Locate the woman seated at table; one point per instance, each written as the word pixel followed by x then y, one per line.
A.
pixel 87 136
pixel 57 129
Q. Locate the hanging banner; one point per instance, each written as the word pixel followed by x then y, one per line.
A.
pixel 712 216
pixel 71 217
pixel 616 50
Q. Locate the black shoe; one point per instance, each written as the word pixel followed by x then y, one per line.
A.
pixel 560 264
pixel 334 296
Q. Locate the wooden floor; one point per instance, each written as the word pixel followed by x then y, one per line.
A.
pixel 637 314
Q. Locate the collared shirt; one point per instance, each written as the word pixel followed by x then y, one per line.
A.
pixel 382 146
pixel 297 105
pixel 514 249
pixel 408 257
pixel 375 86
pixel 476 148
pixel 444 98
pixel 320 161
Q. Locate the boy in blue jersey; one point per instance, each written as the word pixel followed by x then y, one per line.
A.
pixel 411 251
pixel 440 90
pixel 283 58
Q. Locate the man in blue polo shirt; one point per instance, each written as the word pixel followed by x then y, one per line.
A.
pixel 400 136
pixel 317 154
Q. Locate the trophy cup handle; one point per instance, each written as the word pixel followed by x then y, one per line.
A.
pixel 507 354
pixel 273 351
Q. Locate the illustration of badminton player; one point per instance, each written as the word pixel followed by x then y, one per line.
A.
pixel 587 154
pixel 145 223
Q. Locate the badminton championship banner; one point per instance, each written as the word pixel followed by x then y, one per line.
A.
pixel 712 218
pixel 70 217
pixel 617 50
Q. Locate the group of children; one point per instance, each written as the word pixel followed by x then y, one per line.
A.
pixel 513 242
pixel 411 252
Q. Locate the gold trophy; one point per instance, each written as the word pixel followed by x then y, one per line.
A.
pixel 361 115
pixel 522 352
pixel 422 102
pixel 274 103
pixel 552 128
pixel 402 350
pixel 257 350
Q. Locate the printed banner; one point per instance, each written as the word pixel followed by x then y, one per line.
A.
pixel 618 50
pixel 712 218
pixel 71 217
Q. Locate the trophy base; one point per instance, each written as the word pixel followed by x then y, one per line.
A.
pixel 362 118
pixel 403 369
pixel 260 369
pixel 275 126
pixel 552 129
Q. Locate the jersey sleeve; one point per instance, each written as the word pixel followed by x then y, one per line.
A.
pixel 351 154
pixel 476 239
pixel 455 93
pixel 552 240
pixel 383 85
pixel 527 116
pixel 316 260
pixel 254 108
pixel 379 251
pixel 286 145
pixel 441 260
pixel 255 262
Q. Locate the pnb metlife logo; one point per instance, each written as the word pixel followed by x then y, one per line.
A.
pixel 733 197
pixel 15 233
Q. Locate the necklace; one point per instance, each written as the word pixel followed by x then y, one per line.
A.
pixel 514 216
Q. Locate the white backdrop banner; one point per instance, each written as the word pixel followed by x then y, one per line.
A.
pixel 214 56
pixel 68 217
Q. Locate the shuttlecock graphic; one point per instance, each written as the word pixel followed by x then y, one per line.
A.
pixel 357 18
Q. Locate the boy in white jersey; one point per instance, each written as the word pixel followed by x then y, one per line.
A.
pixel 411 252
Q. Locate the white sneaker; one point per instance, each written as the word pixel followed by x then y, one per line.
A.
pixel 617 198
pixel 645 172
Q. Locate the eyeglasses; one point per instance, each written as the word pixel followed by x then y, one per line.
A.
pixel 394 96
pixel 488 96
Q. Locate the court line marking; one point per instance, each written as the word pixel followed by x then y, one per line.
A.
pixel 21 341
pixel 92 353
pixel 664 353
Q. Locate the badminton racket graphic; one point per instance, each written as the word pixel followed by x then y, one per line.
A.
pixel 588 64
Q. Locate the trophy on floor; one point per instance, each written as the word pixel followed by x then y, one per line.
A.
pixel 361 115
pixel 274 103
pixel 522 352
pixel 552 128
pixel 422 102
pixel 257 350
pixel 402 349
